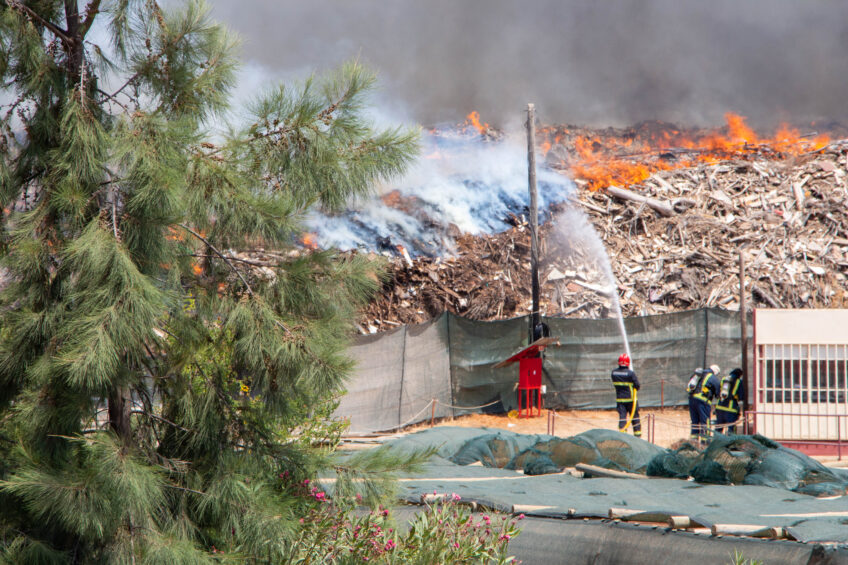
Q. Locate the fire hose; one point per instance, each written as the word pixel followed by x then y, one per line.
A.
pixel 632 410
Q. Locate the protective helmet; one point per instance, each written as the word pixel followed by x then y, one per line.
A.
pixel 715 369
pixel 624 360
pixel 736 372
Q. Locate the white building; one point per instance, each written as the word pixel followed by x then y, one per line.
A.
pixel 800 394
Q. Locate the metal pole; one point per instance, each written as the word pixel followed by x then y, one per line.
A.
pixel 662 394
pixel 743 323
pixel 838 439
pixel 534 216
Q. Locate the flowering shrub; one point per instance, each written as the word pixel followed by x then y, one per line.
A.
pixel 445 531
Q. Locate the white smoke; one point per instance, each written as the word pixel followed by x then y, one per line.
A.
pixel 462 182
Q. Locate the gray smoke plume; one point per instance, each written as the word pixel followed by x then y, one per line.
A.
pixel 580 61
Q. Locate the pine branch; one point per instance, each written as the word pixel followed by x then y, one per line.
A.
pixel 57 31
pixel 222 256
pixel 238 259
pixel 161 419
pixel 152 59
pixel 111 98
pixel 91 12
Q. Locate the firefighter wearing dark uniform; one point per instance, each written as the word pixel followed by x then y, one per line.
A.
pixel 727 408
pixel 626 384
pixel 702 388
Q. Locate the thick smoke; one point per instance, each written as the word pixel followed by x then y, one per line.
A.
pixel 462 183
pixel 580 61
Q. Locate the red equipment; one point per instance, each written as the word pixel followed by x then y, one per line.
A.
pixel 624 360
pixel 530 401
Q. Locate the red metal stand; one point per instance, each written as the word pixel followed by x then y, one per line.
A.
pixel 530 387
pixel 529 359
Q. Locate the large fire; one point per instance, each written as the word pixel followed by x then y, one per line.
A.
pixel 603 160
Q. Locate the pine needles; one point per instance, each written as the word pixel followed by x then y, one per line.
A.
pixel 153 386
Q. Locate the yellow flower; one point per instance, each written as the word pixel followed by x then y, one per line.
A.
pixel 244 388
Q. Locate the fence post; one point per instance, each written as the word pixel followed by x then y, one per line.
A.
pixel 432 412
pixel 662 394
pixel 653 428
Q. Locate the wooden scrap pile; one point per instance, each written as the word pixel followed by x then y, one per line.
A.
pixel 673 242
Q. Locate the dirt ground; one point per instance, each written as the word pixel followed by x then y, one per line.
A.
pixel 662 426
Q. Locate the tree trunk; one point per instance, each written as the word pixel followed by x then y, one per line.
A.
pixel 76 47
pixel 119 413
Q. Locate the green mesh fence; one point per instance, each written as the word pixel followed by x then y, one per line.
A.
pixel 446 367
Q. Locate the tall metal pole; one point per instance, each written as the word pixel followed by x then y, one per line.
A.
pixel 534 215
pixel 743 323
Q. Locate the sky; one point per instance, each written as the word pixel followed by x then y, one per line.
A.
pixel 587 62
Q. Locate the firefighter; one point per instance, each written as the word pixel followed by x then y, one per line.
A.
pixel 626 384
pixel 703 386
pixel 727 408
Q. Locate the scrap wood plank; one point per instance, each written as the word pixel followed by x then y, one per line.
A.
pixel 594 471
pixel 662 207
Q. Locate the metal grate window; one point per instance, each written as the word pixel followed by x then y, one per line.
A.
pixel 802 387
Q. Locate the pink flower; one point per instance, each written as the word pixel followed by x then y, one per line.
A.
pixel 358 497
pixel 390 545
pixel 521 516
pixel 319 495
pixel 504 537
pixel 456 544
pixel 456 497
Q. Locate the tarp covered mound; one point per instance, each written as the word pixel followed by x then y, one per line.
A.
pixel 749 460
pixel 604 448
pixel 495 450
pixel 540 454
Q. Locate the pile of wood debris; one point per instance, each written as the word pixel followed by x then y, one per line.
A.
pixel 673 241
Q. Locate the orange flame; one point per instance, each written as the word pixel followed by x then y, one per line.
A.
pixel 628 160
pixel 473 120
pixel 309 240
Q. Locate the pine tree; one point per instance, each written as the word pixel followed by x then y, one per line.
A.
pixel 154 383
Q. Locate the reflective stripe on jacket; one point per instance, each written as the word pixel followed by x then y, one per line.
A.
pixel 731 402
pixel 625 382
pixel 707 387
